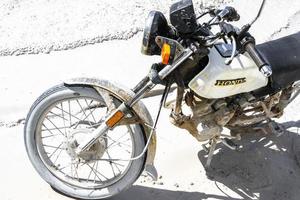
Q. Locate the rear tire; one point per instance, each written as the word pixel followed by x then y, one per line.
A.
pixel 55 174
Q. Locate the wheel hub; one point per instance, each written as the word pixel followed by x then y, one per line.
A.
pixel 95 152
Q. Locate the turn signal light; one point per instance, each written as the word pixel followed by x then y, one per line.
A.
pixel 165 53
pixel 114 119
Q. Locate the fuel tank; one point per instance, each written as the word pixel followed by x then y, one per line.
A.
pixel 218 80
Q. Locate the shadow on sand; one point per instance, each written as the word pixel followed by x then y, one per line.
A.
pixel 146 193
pixel 267 167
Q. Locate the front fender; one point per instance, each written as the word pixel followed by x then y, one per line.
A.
pixel 139 108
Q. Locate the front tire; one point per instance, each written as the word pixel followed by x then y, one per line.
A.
pixel 52 118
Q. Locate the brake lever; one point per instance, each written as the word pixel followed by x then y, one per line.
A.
pixel 233 42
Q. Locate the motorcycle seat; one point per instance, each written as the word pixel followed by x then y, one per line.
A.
pixel 283 55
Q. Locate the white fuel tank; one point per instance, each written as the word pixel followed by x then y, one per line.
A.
pixel 219 80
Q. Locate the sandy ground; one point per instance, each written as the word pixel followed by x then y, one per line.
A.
pixel 35 26
pixel 266 168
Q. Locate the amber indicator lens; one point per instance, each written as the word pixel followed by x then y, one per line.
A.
pixel 115 118
pixel 165 53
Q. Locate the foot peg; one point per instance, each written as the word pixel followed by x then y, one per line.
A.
pixel 230 144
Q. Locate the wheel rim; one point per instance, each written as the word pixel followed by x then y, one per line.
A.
pixel 67 121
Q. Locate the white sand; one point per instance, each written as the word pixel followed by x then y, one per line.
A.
pixel 35 26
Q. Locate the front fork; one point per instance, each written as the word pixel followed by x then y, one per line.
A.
pixel 142 88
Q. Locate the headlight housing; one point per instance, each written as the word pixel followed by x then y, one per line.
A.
pixel 156 25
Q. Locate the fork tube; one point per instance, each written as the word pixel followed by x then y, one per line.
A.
pixel 162 75
pixel 141 84
pixel 140 94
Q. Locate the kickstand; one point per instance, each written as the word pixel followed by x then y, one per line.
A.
pixel 211 152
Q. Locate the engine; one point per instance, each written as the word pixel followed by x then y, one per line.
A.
pixel 236 113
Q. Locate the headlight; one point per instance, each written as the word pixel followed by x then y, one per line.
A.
pixel 156 25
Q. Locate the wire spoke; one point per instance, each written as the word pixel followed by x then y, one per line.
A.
pixel 91 171
pixel 56 115
pixel 111 164
pixel 64 167
pixel 117 163
pixel 71 167
pixel 55 126
pixel 118 143
pixel 62 108
pixel 56 148
pixel 112 168
pixel 83 110
pixel 49 130
pixel 97 172
pixel 69 113
pixel 90 109
pixel 70 118
pixel 58 156
pixel 76 171
pixel 115 141
pixel 85 119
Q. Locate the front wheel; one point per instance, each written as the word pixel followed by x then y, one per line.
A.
pixel 58 121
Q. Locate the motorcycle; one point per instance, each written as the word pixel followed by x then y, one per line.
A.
pixel 92 139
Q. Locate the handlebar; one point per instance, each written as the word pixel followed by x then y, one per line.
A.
pixel 230 14
pixel 263 67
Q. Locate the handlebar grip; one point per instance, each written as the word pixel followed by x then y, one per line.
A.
pixel 233 16
pixel 252 51
pixel 263 66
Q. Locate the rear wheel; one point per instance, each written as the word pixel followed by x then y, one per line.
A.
pixel 58 121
